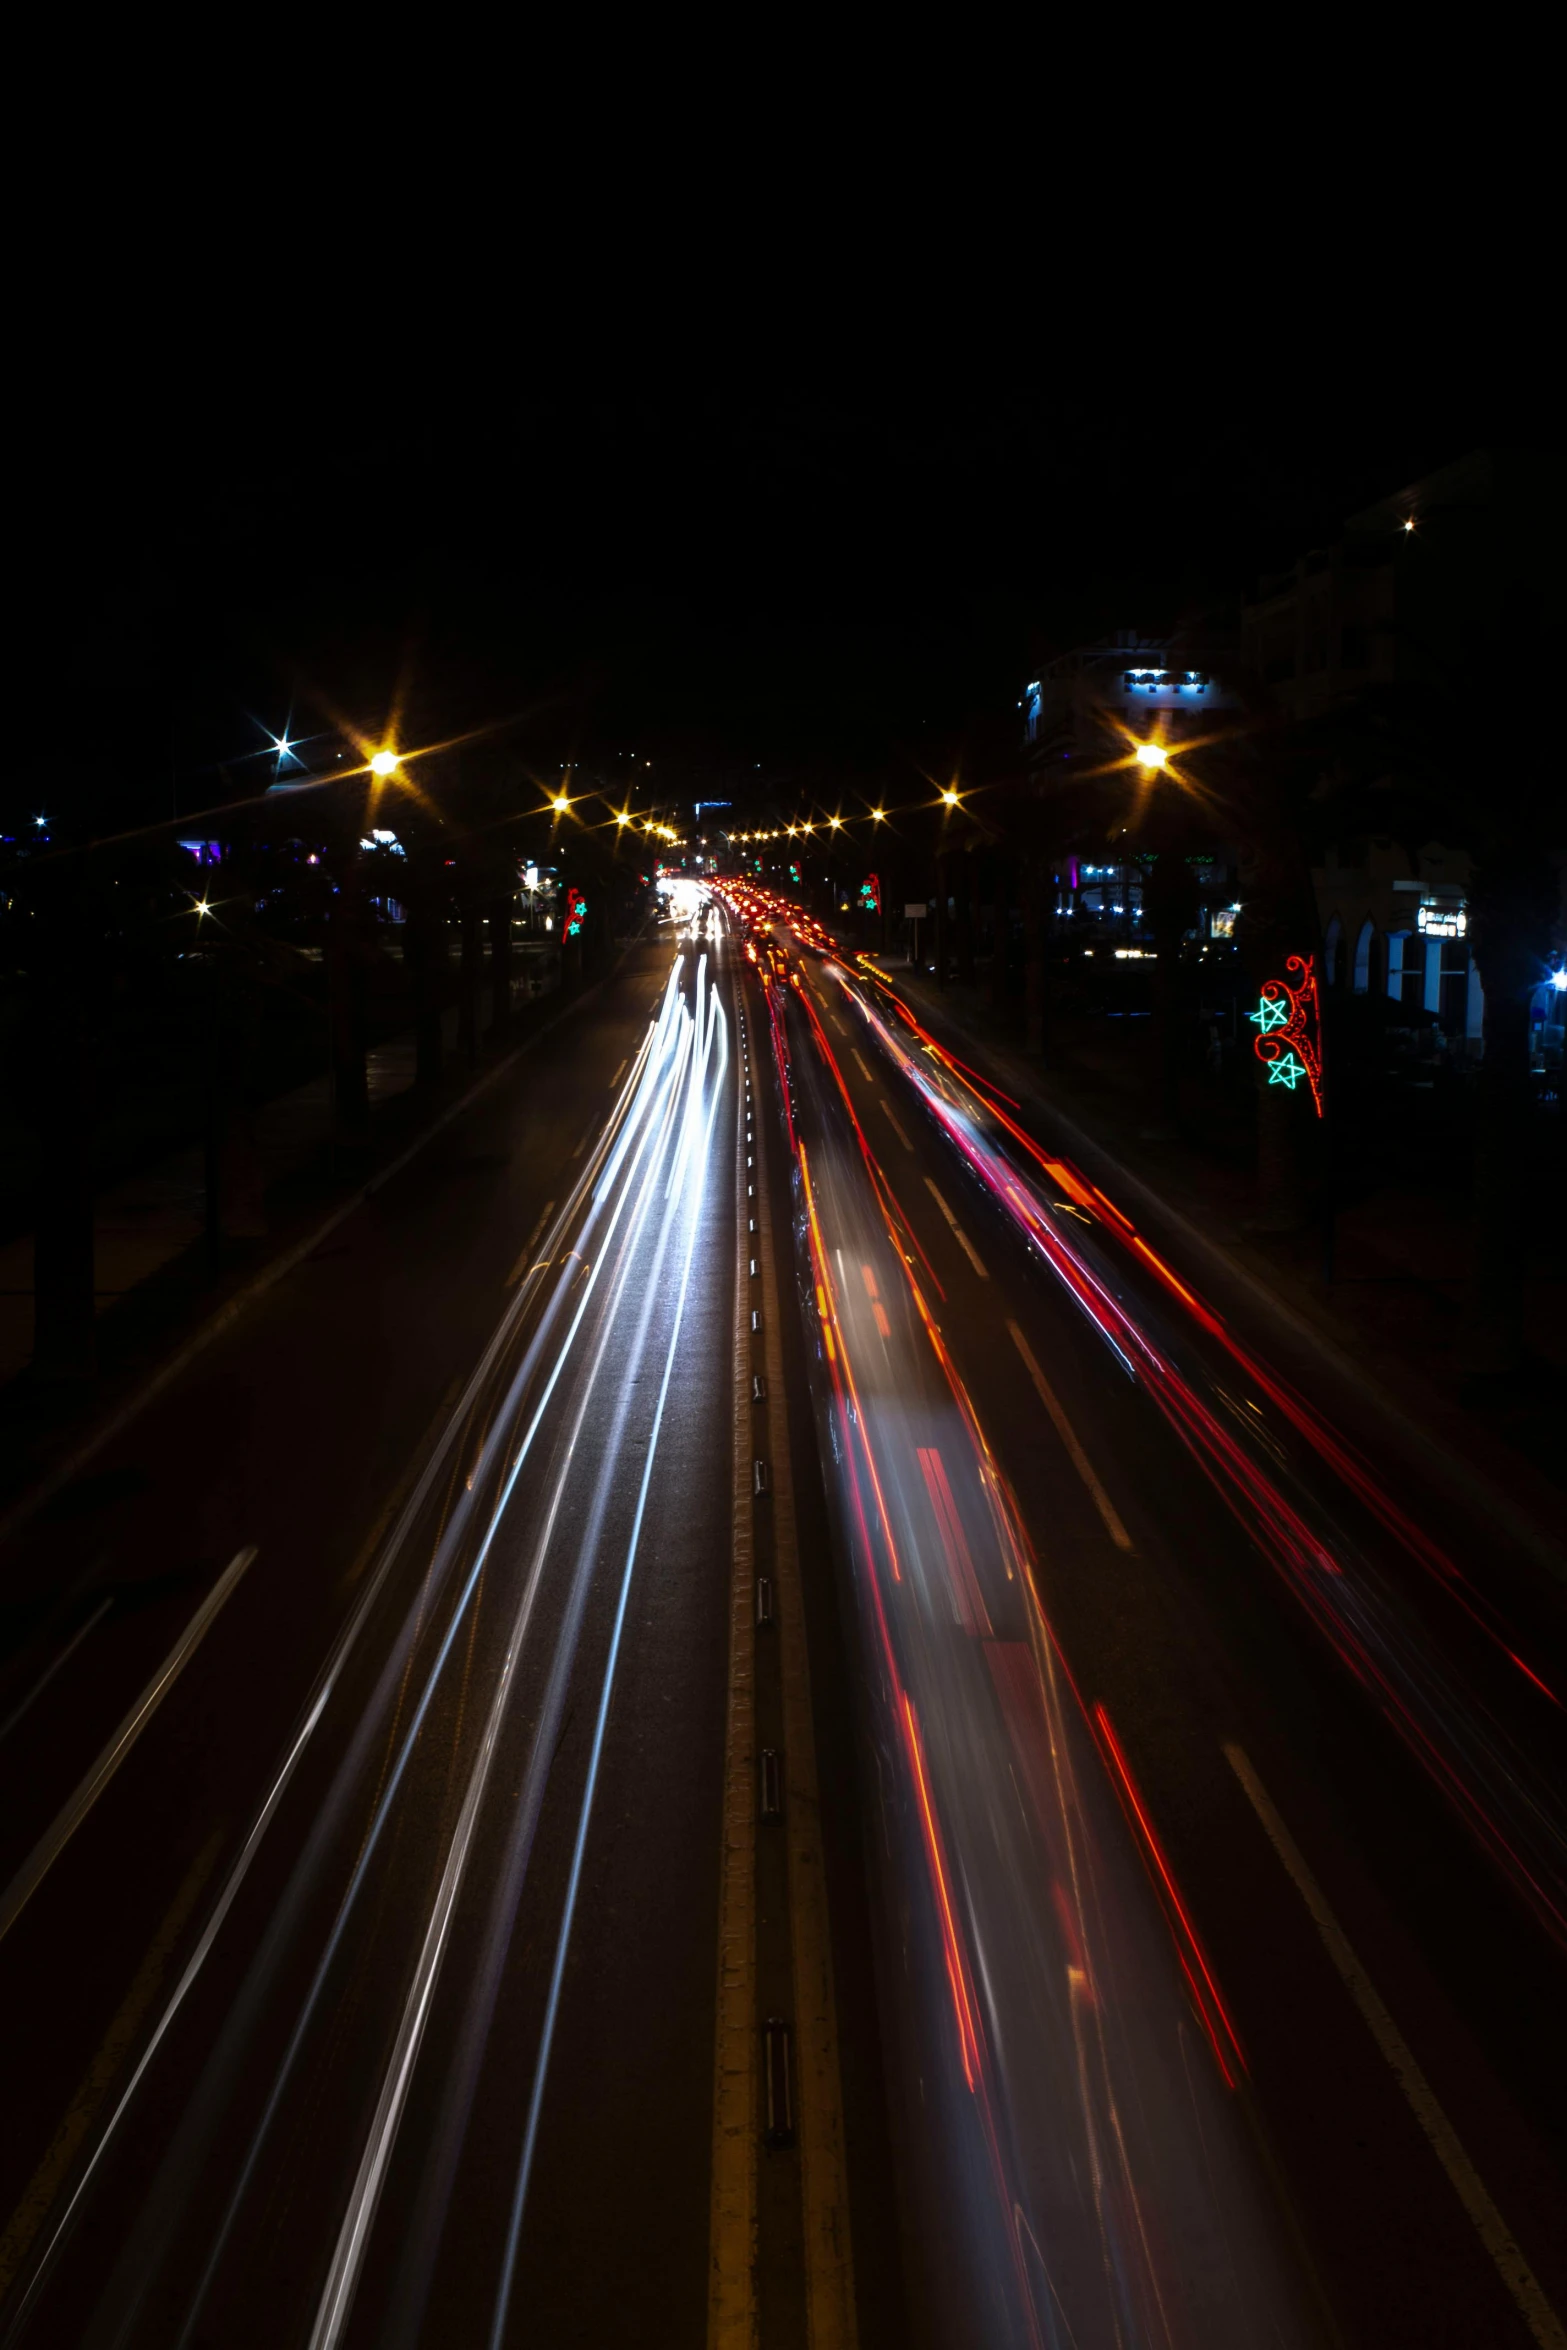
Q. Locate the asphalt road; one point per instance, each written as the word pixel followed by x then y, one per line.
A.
pixel 1158 1942
pixel 1219 1849
pixel 373 1998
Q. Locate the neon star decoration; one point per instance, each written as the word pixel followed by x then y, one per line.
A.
pixel 1288 1020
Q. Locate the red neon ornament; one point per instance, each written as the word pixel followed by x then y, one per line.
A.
pixel 1288 1020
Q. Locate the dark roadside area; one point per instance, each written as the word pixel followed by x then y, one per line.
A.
pixel 168 1290
pixel 1390 1317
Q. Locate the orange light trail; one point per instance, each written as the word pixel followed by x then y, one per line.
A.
pixel 957 1965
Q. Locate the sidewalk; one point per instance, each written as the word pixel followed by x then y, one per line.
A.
pixel 1392 1312
pixel 157 1299
pixel 142 1225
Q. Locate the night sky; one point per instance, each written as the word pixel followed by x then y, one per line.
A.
pixel 848 573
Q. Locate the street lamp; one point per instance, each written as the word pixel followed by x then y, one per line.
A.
pixel 384 763
pixel 1152 756
pixel 949 799
pixel 560 803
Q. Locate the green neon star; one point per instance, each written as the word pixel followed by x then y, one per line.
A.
pixel 1288 1072
pixel 1271 1013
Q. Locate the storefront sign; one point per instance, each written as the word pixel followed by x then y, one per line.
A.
pixel 1442 921
pixel 1288 1020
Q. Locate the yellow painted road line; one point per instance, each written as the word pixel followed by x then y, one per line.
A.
pixel 958 1233
pixel 45 2183
pixel 893 1122
pixel 824 2176
pixel 1489 2225
pixel 732 2223
pixel 55 1838
pixel 525 1255
pixel 1068 1435
pixel 860 1065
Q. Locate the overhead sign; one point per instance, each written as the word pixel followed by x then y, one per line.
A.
pixel 1447 921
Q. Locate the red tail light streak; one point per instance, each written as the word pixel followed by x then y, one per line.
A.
pixel 1211 2011
pixel 1468 1756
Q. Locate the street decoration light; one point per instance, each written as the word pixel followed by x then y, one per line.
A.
pixel 1288 1021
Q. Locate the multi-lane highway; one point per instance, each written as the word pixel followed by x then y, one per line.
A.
pixel 743 1714
pixel 1222 1857
pixel 368 1992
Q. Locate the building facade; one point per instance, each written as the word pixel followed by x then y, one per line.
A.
pixel 1417 585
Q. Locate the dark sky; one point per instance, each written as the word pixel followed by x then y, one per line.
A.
pixel 842 570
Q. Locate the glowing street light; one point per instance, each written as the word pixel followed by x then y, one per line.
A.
pixel 878 816
pixel 1152 756
pixel 949 798
pixel 560 803
pixel 835 823
pixel 623 816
